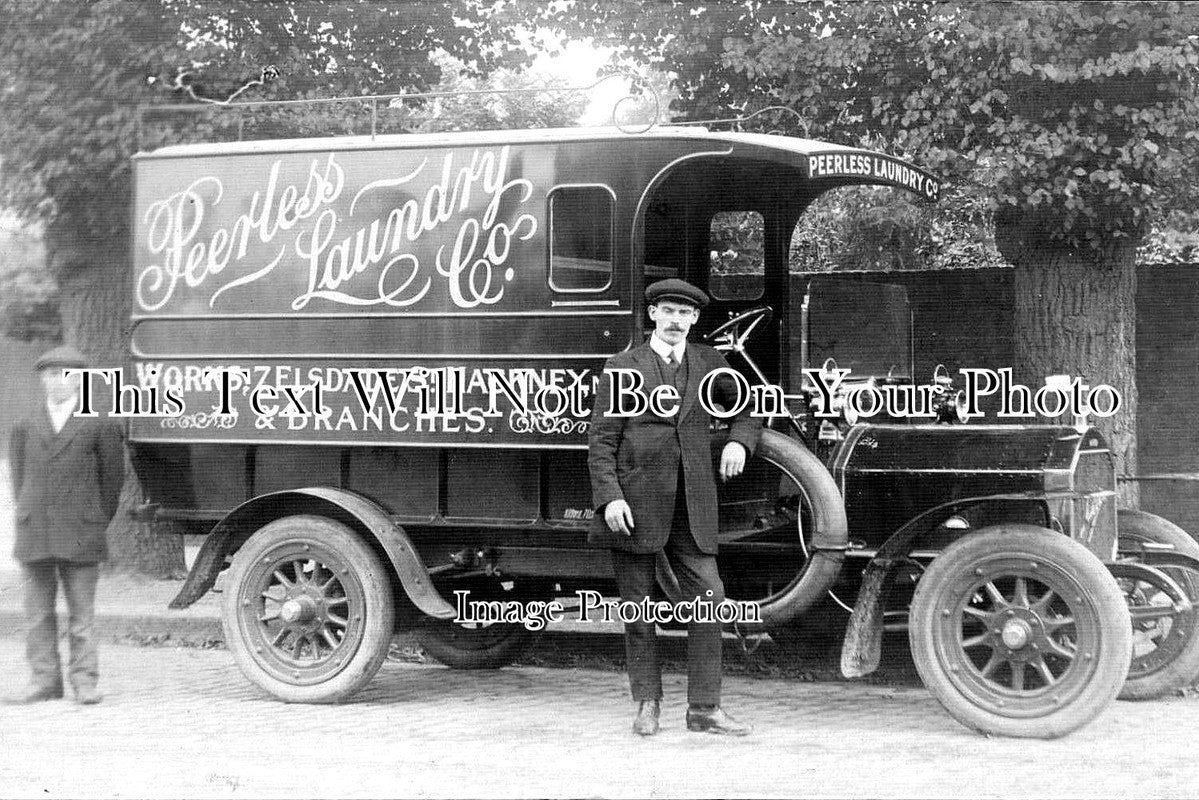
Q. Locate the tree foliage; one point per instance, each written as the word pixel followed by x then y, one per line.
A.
pixel 74 74
pixel 1174 238
pixel 1065 118
pixel 872 228
pixel 28 295
pixel 505 98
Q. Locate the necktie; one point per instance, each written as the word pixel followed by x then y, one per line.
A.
pixel 672 371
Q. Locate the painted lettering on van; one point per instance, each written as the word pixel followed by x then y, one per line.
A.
pixel 173 226
pixel 870 165
pixel 481 245
pixel 348 260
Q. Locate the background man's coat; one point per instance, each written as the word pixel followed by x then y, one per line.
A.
pixel 67 486
pixel 638 458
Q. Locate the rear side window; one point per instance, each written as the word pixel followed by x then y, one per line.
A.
pixel 737 262
pixel 581 236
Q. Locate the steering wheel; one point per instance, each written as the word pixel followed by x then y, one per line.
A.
pixel 731 336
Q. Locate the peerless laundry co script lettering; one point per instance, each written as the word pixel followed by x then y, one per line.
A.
pixel 348 258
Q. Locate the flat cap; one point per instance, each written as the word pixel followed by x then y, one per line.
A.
pixel 61 356
pixel 677 290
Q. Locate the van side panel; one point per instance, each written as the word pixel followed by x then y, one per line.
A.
pixel 380 296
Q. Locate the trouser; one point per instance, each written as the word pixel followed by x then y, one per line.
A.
pixel 697 575
pixel 42 579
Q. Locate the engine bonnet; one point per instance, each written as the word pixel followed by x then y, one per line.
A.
pixel 890 474
pixel 1010 449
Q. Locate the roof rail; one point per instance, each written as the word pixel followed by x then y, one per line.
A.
pixel 203 104
pixel 747 117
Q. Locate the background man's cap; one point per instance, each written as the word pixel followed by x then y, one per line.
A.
pixel 60 357
pixel 675 289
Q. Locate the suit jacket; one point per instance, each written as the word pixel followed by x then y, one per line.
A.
pixel 639 458
pixel 67 486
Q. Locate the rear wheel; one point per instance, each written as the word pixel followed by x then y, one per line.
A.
pixel 1165 646
pixel 308 611
pixel 1020 631
pixel 817 630
pixel 477 645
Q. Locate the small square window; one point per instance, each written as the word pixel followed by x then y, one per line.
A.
pixel 581 237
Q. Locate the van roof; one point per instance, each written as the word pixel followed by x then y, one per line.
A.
pixel 495 137
pixel 838 164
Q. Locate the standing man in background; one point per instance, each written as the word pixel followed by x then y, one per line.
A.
pixel 66 473
pixel 655 498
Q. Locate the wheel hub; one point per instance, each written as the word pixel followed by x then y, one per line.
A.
pixel 298 610
pixel 1016 634
pixel 302 609
pixel 1020 634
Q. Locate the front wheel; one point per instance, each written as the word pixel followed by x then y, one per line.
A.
pixel 1020 631
pixel 308 611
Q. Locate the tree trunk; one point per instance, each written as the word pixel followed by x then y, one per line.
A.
pixel 93 274
pixel 1075 315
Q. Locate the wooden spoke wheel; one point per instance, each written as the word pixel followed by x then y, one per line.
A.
pixel 308 611
pixel 1020 631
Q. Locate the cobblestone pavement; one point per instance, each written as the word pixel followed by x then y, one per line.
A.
pixel 183 722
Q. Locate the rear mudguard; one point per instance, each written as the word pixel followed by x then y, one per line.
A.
pixel 354 510
pixel 1158 556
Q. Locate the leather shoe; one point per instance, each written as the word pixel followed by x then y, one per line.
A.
pixel 35 694
pixel 646 723
pixel 715 720
pixel 88 696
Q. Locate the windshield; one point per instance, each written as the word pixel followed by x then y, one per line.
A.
pixel 866 327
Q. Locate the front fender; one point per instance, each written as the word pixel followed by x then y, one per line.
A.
pixel 862 649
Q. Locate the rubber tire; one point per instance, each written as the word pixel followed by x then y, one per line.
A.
pixel 1057 557
pixel 491 647
pixel 1141 526
pixel 378 612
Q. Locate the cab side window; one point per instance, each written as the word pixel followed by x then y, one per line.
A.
pixel 581 238
pixel 737 255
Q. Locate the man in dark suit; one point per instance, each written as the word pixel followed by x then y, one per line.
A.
pixel 654 491
pixel 66 476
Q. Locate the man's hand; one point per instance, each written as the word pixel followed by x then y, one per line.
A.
pixel 619 517
pixel 732 460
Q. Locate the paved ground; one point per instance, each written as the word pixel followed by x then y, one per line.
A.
pixel 183 722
